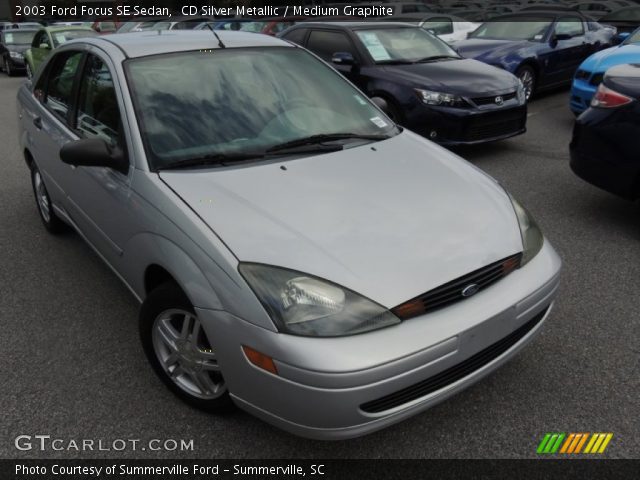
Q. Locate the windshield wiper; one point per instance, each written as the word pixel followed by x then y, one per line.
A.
pixel 396 61
pixel 215 159
pixel 436 57
pixel 324 137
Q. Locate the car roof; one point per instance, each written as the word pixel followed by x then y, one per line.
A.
pixel 357 25
pixel 66 28
pixel 157 42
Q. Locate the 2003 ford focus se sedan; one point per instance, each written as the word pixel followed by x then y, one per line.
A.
pixel 295 252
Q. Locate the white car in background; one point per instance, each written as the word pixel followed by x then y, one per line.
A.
pixel 449 28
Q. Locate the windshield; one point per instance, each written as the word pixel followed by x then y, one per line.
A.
pixel 60 37
pixel 236 101
pixel 533 29
pixel 389 45
pixel 19 38
pixel 634 37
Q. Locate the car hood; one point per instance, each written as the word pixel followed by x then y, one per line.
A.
pixel 604 59
pixel 462 77
pixel 18 48
pixel 474 48
pixel 389 220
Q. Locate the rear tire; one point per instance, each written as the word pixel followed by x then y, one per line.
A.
pixel 50 220
pixel 179 351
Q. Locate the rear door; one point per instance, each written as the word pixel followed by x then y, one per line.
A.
pixel 47 124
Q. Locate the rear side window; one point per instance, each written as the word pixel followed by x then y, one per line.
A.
pixel 58 95
pixel 98 114
pixel 439 26
pixel 296 36
pixel 325 44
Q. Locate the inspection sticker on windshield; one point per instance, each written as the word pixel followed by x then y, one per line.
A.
pixel 375 48
pixel 378 122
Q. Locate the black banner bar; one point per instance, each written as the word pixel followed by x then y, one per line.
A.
pixel 319 469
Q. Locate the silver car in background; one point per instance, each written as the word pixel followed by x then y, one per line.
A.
pixel 295 252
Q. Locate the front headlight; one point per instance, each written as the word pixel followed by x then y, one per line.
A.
pixel 437 98
pixel 522 96
pixel 302 304
pixel 15 55
pixel 532 238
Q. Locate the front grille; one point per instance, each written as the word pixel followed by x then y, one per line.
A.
pixel 480 101
pixel 452 374
pixel 453 291
pixel 596 79
pixel 495 124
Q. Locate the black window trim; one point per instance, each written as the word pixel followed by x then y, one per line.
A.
pixel 46 77
pixel 122 138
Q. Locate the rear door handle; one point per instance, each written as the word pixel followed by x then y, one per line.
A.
pixel 37 121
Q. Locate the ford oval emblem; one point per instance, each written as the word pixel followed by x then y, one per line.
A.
pixel 470 290
pixel 499 100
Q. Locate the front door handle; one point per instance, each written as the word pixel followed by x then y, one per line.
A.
pixel 37 121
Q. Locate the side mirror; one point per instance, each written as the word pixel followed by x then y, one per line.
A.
pixel 44 46
pixel 621 37
pixel 94 152
pixel 343 58
pixel 560 36
pixel 381 103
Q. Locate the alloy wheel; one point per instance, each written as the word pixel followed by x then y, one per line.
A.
pixel 526 77
pixel 184 352
pixel 42 197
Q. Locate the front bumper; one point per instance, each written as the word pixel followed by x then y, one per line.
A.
pixel 581 94
pixel 323 385
pixel 17 63
pixel 469 126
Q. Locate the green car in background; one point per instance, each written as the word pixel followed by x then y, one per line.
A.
pixel 49 38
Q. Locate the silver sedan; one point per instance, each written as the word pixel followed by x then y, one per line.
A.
pixel 295 252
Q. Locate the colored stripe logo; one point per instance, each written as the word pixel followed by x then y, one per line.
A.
pixel 574 443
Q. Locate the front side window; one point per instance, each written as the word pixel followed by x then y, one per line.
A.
pixel 571 26
pixel 41 40
pixel 325 44
pixel 515 28
pixel 196 104
pixel 60 83
pixel 98 114
pixel 403 45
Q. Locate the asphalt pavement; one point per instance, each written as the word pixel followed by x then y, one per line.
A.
pixel 71 365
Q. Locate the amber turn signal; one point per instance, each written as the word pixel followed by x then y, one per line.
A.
pixel 260 360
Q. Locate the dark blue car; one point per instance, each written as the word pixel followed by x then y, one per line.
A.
pixel 543 49
pixel 419 80
pixel 604 150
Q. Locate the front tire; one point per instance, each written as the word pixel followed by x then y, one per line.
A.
pixel 527 76
pixel 45 208
pixel 179 351
pixel 7 68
